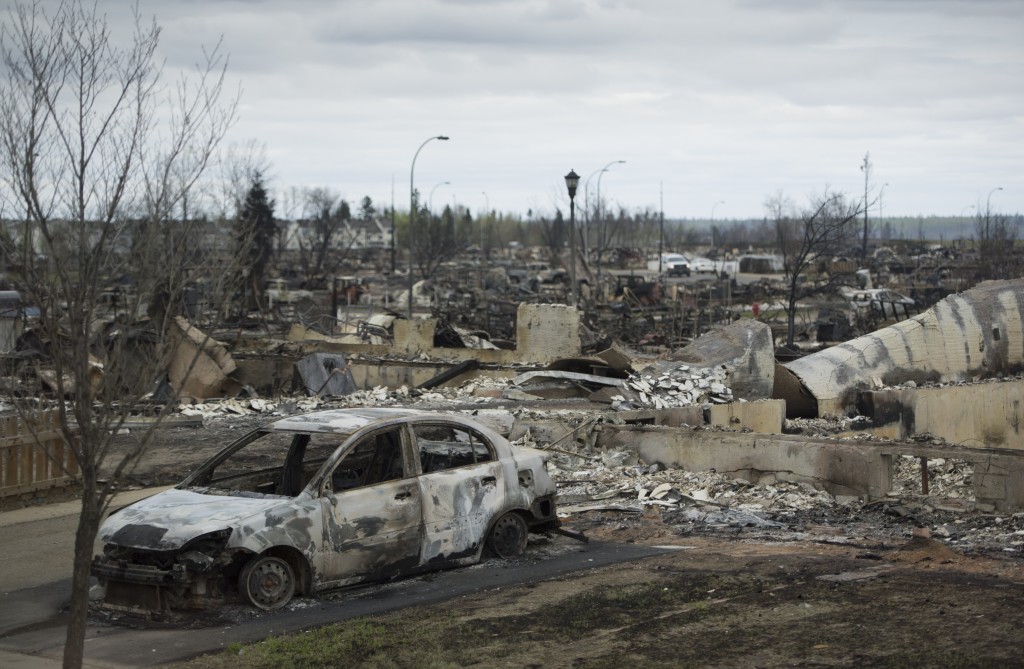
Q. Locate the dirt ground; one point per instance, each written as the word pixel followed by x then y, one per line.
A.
pixel 847 590
pixel 713 602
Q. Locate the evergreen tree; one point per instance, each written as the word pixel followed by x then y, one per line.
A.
pixel 367 211
pixel 255 231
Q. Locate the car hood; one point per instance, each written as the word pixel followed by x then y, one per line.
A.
pixel 169 520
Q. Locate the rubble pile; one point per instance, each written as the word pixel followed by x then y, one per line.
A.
pixel 947 477
pixel 245 407
pixel 618 482
pixel 679 387
pixel 1005 533
pixel 632 486
pixel 832 426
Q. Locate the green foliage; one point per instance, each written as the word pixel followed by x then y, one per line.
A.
pixel 366 209
pixel 255 230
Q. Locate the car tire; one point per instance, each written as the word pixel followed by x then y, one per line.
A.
pixel 508 536
pixel 267 583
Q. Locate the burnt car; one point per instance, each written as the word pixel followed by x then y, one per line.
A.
pixel 324 500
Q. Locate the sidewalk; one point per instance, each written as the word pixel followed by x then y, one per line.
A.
pixel 12 660
pixel 38 548
pixel 33 514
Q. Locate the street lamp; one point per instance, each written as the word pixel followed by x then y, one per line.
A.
pixel 713 210
pixel 586 203
pixel 487 200
pixel 430 199
pixel 988 200
pixel 599 208
pixel 480 252
pixel 572 180
pixel 962 222
pixel 412 214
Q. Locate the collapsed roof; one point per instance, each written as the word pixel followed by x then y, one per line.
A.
pixel 975 334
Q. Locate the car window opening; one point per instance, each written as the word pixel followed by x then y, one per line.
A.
pixel 375 459
pixel 442 447
pixel 273 464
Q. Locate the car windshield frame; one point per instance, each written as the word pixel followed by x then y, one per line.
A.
pixel 198 480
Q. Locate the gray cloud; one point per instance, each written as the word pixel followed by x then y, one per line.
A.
pixel 723 100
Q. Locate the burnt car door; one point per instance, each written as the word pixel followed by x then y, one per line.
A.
pixel 372 511
pixel 463 489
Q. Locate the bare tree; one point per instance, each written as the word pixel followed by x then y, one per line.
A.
pixel 996 238
pixel 553 232
pixel 99 158
pixel 806 239
pixel 678 235
pixel 238 169
pixel 605 232
pixel 326 216
pixel 435 240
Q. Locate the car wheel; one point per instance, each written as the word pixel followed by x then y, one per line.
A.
pixel 267 583
pixel 508 536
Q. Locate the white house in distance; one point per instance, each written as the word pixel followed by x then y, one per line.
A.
pixel 372 234
pixel 354 235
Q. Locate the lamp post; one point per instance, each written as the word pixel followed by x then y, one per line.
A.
pixel 586 202
pixel 430 198
pixel 661 226
pixel 487 205
pixel 412 214
pixel 988 200
pixel 480 253
pixel 599 208
pixel 572 180
pixel 962 222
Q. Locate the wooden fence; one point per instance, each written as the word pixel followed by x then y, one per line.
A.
pixel 33 454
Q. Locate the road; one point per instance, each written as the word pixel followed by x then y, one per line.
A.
pixel 35 584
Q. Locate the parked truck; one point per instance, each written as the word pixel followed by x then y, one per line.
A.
pixel 673 264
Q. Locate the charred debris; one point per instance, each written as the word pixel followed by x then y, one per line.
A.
pixel 695 353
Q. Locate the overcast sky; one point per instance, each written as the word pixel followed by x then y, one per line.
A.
pixel 715 104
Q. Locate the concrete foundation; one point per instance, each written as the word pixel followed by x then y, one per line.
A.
pixel 840 468
pixel 544 333
pixel 858 469
pixel 980 415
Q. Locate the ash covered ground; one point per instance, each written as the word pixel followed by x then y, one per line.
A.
pixel 616 490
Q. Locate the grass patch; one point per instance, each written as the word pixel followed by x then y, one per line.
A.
pixel 410 639
pixel 362 642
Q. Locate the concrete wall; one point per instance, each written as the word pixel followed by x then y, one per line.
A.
pixel 860 469
pixel 547 332
pixel 999 483
pixel 544 332
pixel 979 415
pixel 839 468
pixel 763 416
pixel 271 375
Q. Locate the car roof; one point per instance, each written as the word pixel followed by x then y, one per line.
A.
pixel 341 420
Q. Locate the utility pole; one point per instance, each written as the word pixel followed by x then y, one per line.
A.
pixel 661 225
pixel 866 169
pixel 393 249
